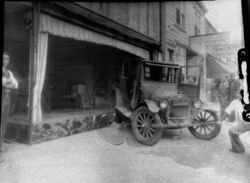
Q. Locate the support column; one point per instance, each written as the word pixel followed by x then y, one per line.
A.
pixel 32 65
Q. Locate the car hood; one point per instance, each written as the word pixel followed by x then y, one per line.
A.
pixel 158 91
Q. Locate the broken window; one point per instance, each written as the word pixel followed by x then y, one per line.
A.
pixel 161 74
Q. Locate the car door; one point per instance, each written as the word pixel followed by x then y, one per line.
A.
pixel 136 85
pixel 189 81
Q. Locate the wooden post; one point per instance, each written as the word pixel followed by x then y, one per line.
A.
pixel 34 32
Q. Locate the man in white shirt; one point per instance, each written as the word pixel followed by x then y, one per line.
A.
pixel 8 83
pixel 239 127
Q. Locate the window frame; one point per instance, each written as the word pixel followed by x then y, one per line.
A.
pixel 170 77
pixel 171 55
pixel 180 15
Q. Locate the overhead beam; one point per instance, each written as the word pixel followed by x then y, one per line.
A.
pixel 75 14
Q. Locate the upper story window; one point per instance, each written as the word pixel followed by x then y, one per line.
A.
pixel 181 55
pixel 180 15
pixel 197 26
pixel 171 55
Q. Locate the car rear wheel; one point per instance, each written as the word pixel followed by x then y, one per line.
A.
pixel 142 126
pixel 208 127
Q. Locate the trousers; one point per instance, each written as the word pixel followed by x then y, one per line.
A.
pixel 4 114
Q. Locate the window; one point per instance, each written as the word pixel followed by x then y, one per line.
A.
pixel 180 15
pixel 197 25
pixel 181 55
pixel 160 74
pixel 170 55
pixel 190 75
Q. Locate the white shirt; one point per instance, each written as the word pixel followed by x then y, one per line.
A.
pixel 10 82
pixel 237 107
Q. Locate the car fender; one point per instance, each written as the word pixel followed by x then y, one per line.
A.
pixel 152 106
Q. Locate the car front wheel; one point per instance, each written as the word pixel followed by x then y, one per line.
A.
pixel 143 126
pixel 208 126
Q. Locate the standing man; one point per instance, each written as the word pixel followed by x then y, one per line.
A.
pixel 234 86
pixel 223 89
pixel 8 82
pixel 240 125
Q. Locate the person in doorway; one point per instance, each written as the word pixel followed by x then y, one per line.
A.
pixel 223 90
pixel 8 83
pixel 240 125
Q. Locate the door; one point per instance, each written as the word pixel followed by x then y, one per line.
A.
pixel 136 85
pixel 128 76
pixel 189 81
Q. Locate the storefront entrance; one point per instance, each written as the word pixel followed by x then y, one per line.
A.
pixel 80 74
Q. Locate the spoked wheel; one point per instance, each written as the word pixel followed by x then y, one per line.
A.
pixel 143 127
pixel 208 127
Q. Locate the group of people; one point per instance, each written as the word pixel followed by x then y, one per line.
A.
pixel 229 89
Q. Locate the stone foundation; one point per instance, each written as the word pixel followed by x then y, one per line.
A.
pixel 67 127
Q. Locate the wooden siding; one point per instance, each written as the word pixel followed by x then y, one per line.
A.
pixel 177 33
pixel 182 35
pixel 141 16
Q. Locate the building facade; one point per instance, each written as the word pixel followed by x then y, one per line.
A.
pixel 72 51
pixel 180 21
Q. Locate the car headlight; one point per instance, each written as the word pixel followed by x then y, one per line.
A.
pixel 164 104
pixel 197 104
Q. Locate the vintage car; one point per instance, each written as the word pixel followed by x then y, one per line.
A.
pixel 154 96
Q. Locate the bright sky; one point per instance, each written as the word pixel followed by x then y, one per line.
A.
pixel 226 15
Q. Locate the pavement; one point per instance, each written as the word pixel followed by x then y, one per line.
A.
pixel 87 157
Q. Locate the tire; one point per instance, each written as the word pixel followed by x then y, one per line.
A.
pixel 210 131
pixel 142 119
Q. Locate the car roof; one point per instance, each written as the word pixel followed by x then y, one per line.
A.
pixel 155 63
pixel 160 63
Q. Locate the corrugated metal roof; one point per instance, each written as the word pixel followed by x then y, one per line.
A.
pixel 216 68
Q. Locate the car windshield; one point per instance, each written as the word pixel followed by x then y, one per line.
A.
pixel 160 73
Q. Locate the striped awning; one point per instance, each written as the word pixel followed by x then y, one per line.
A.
pixel 58 27
pixel 216 68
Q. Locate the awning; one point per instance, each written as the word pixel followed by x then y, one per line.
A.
pixel 61 28
pixel 216 68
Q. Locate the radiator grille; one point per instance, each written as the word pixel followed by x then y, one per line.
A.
pixel 178 111
pixel 179 107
